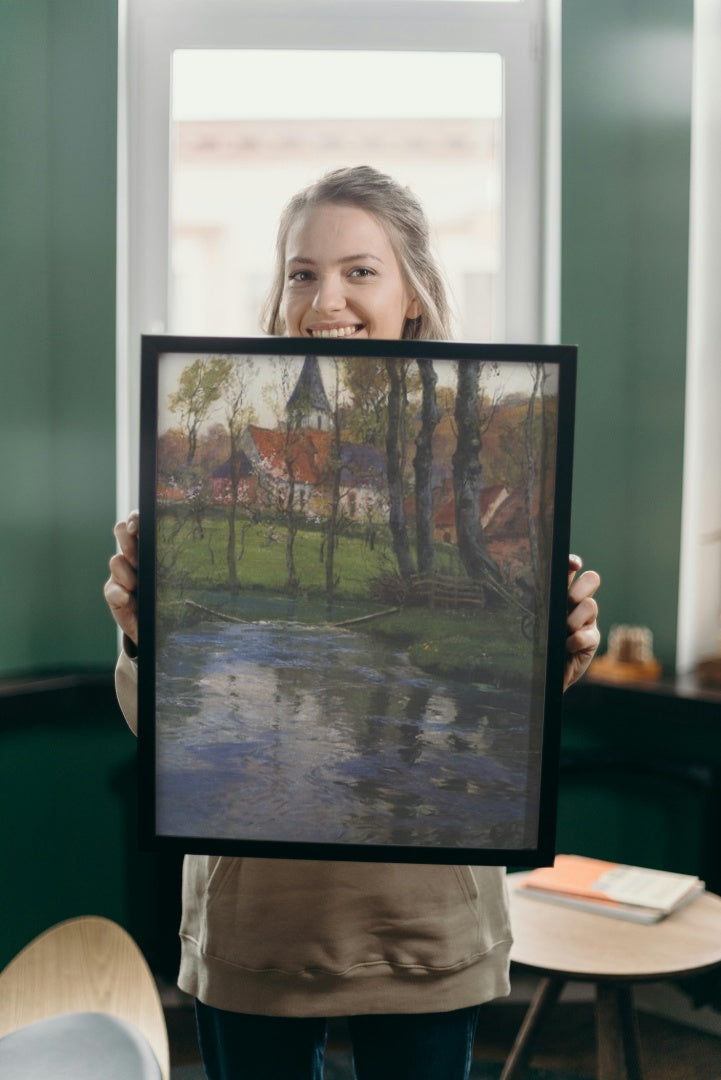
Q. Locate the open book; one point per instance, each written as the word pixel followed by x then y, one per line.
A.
pixel 608 888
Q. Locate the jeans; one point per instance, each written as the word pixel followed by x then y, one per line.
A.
pixel 418 1046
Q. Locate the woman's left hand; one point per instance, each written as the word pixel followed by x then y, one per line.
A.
pixel 583 635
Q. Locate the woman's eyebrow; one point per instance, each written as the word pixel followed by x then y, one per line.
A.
pixel 361 257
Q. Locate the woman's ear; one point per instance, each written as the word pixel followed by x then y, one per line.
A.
pixel 415 309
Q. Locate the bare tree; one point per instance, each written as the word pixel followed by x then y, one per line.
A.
pixel 536 482
pixel 291 422
pixel 423 467
pixel 199 387
pixel 238 414
pixel 467 476
pixel 366 383
pixel 292 409
pixel 335 465
pixel 395 454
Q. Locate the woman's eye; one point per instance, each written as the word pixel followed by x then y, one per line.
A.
pixel 300 276
pixel 362 272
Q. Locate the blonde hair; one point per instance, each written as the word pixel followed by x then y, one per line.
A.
pixel 403 217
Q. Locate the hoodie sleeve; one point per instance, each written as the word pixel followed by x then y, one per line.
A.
pixel 126 688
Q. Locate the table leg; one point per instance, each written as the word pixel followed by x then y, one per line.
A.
pixel 617 1033
pixel 545 997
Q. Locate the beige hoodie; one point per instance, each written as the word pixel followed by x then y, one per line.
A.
pixel 285 937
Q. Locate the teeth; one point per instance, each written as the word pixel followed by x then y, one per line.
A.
pixel 335 332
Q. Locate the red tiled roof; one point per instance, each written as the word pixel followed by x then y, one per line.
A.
pixel 171 493
pixel 307 451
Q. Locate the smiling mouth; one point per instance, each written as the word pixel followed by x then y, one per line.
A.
pixel 335 331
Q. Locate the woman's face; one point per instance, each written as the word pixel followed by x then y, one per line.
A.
pixel 342 277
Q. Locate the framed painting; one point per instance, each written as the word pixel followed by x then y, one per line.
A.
pixel 352 597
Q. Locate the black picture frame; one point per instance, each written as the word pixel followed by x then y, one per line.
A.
pixel 398 699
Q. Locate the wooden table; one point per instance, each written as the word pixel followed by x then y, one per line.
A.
pixel 563 944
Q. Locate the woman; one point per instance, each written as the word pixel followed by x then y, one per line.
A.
pixel 272 948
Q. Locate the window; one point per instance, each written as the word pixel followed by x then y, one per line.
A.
pixel 236 160
pixel 449 95
pixel 699 624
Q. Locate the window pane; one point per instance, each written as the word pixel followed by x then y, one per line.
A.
pixel 252 127
pixel 454 1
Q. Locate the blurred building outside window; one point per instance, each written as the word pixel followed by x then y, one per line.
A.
pixel 226 109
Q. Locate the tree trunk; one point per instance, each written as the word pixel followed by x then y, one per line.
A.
pixel 192 443
pixel 534 444
pixel 467 476
pixel 232 514
pixel 397 518
pixel 291 530
pixel 230 550
pixel 423 467
pixel 331 535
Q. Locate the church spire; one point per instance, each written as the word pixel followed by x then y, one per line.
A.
pixel 308 404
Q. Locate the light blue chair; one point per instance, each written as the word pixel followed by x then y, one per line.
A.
pixel 78 1003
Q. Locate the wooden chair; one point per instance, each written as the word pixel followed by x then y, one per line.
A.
pixel 82 974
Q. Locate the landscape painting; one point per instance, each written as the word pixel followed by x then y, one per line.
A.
pixel 352 596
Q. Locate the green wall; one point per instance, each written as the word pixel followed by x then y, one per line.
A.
pixel 58 74
pixel 625 200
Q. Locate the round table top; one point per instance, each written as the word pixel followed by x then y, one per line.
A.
pixel 559 940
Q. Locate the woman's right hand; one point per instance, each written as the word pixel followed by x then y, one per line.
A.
pixel 121 587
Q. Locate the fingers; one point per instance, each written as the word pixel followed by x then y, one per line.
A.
pixel 580 614
pixel 582 607
pixel 584 641
pixel 123 607
pixel 582 588
pixel 123 573
pixel 583 636
pixel 126 534
pixel 575 563
pixel 121 587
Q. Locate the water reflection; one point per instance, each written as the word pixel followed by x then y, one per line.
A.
pixel 275 731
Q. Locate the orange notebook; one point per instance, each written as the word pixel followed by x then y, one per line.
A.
pixel 631 892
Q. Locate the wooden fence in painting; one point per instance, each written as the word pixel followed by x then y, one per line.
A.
pixel 429 590
pixel 447 593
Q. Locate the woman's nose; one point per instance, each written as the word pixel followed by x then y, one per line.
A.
pixel 329 296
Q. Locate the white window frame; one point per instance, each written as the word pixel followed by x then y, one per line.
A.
pixel 699 598
pixel 526 34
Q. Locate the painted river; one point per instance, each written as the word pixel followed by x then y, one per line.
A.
pixel 277 730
